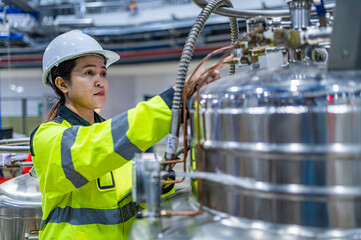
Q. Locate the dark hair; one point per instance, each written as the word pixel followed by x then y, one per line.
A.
pixel 63 70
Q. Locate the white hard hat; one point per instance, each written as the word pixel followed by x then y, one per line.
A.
pixel 71 45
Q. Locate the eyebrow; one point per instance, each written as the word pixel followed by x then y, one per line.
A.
pixel 91 65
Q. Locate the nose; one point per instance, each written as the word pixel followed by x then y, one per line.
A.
pixel 99 82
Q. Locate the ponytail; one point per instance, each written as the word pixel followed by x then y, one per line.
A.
pixel 53 111
pixel 64 71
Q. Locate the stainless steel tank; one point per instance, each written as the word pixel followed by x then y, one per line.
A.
pixel 292 137
pixel 20 207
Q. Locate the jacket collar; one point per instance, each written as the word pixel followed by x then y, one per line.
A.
pixel 74 119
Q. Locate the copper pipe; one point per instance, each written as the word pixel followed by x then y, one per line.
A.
pixel 189 213
pixel 173 181
pixel 199 154
pixel 173 161
pixel 199 165
pixel 176 161
pixel 185 111
pixel 200 81
pixel 203 77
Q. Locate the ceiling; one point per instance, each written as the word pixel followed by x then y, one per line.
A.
pixel 156 31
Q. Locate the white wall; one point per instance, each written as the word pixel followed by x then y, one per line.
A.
pixel 21 83
pixel 120 95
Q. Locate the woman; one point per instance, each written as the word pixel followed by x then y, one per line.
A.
pixel 81 160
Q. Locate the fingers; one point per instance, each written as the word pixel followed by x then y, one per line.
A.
pixel 216 74
pixel 202 75
pixel 196 74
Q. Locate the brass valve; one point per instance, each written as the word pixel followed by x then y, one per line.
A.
pixel 259 51
pixel 233 61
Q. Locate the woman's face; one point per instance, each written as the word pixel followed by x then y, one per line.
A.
pixel 88 87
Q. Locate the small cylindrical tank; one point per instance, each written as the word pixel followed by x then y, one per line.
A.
pixel 20 207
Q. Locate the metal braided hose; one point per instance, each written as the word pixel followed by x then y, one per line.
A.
pixel 235 33
pixel 186 57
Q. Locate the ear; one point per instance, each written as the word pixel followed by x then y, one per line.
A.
pixel 61 84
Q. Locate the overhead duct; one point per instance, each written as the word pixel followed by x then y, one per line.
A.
pixel 75 23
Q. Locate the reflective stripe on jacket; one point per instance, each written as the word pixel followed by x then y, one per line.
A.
pixel 84 170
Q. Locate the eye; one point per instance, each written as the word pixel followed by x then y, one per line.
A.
pixel 90 73
pixel 103 74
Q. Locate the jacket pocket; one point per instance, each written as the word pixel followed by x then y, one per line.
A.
pixel 106 182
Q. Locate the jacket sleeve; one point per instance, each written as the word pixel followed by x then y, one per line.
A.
pixel 68 157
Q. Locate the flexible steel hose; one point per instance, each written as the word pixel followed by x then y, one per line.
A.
pixel 183 69
pixel 235 33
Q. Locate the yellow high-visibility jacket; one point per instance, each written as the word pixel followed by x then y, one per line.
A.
pixel 85 172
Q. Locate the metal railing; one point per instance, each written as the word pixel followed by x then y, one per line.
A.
pixel 8 145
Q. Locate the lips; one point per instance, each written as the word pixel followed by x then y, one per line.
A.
pixel 100 94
